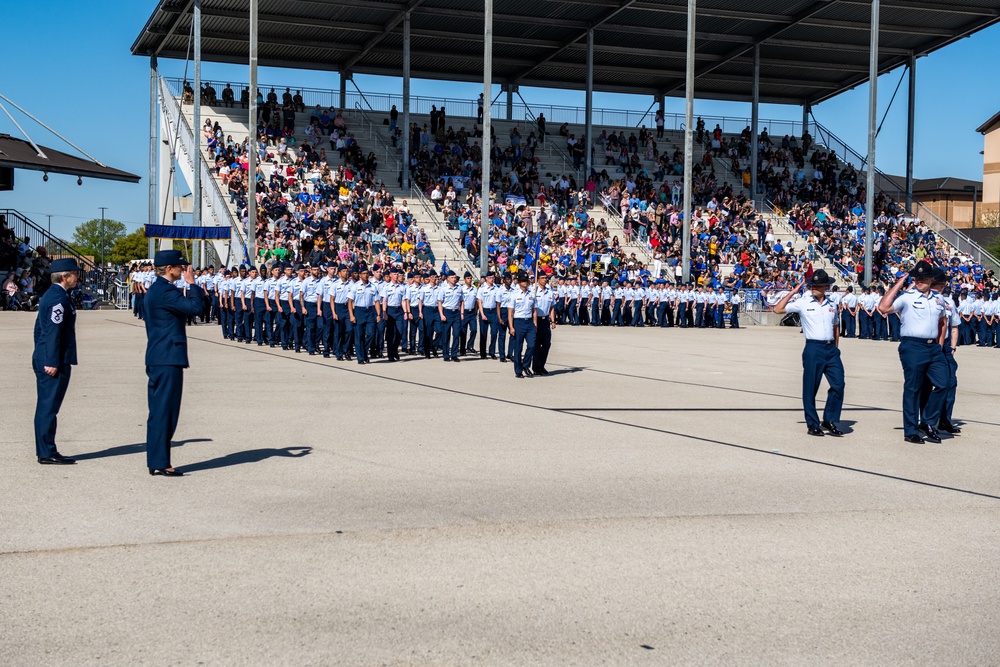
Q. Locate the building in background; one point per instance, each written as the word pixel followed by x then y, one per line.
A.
pixel 991 168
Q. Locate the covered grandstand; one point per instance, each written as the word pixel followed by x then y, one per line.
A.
pixel 793 53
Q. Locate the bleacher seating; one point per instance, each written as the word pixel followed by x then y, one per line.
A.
pixel 812 197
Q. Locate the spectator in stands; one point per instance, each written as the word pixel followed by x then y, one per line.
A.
pixel 245 98
pixel 228 96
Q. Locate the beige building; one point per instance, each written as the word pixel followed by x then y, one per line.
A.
pixel 991 163
pixel 950 198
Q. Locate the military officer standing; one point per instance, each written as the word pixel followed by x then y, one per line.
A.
pixel 489 322
pixel 521 319
pixel 312 309
pixel 54 357
pixel 922 331
pixel 470 316
pixel 167 308
pixel 545 322
pixel 449 308
pixel 365 310
pixel 392 305
pixel 821 356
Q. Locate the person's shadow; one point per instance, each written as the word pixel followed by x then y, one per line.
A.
pixel 248 456
pixel 136 448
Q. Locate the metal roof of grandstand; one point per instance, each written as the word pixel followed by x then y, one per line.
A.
pixel 811 50
pixel 20 154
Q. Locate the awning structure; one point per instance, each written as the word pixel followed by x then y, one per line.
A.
pixel 17 153
pixel 810 50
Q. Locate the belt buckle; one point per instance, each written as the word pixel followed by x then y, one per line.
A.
pixel 930 340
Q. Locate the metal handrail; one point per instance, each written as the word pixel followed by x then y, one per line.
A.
pixel 442 228
pixel 188 140
pixel 467 108
pixel 886 184
pixel 373 133
pixel 22 224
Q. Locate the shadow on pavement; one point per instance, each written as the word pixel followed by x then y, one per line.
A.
pixel 136 448
pixel 248 456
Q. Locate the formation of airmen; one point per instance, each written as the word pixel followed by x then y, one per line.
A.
pixel 978 315
pixel 352 312
pixel 356 312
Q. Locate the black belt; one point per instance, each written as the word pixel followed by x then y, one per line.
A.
pixel 817 341
pixel 926 341
pixel 450 310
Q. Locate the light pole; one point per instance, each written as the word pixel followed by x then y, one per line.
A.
pixel 103 208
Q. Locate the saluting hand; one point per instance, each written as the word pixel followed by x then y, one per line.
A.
pixel 189 275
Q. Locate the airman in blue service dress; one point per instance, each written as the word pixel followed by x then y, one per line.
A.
pixel 922 330
pixel 545 299
pixel 521 323
pixel 167 309
pixel 821 356
pixel 54 357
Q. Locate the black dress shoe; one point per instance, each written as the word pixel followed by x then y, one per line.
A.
pixel 832 428
pixel 541 372
pixel 503 360
pixel 932 436
pixel 948 427
pixel 56 460
pixel 455 359
pixel 527 372
pixel 915 439
pixel 165 472
pixel 493 357
pixel 924 428
pixel 816 431
pixel 518 376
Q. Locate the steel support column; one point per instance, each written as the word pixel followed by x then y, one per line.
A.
pixel 754 129
pixel 911 105
pixel 806 110
pixel 154 145
pixel 688 141
pixel 196 122
pixel 588 132
pixel 485 223
pixel 251 227
pixel 510 101
pixel 405 164
pixel 870 213
pixel 344 78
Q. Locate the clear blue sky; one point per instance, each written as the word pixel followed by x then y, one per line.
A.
pixel 82 80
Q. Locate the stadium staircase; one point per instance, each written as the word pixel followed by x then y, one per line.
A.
pixel 176 130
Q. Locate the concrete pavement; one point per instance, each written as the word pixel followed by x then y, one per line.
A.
pixel 653 502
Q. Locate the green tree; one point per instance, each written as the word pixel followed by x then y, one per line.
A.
pixel 993 247
pixel 97 237
pixel 129 247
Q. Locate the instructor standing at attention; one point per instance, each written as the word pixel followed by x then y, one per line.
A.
pixel 821 356
pixel 167 309
pixel 54 357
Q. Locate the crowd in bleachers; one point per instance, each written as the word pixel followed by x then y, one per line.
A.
pixel 310 209
pixel 25 269
pixel 308 206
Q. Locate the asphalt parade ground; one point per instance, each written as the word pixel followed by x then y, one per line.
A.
pixel 654 501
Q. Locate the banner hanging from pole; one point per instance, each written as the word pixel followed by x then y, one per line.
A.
pixel 188 233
